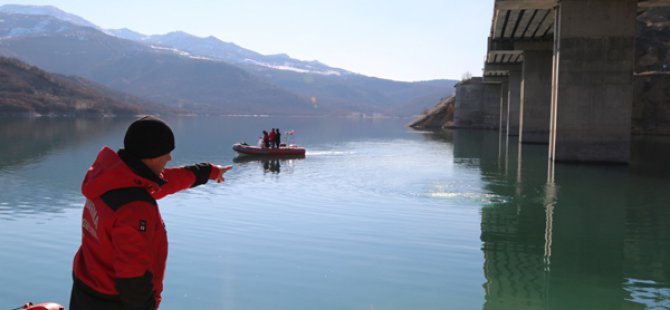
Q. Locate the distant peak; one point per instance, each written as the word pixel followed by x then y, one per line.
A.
pixel 316 62
pixel 48 10
pixel 281 55
pixel 24 7
pixel 126 34
pixel 179 33
pixel 31 9
pixel 213 38
pixel 125 30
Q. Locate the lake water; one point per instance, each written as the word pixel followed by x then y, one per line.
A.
pixel 376 216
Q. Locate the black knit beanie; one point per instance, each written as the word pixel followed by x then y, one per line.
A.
pixel 148 137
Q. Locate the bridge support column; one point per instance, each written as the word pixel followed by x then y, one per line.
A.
pixel 491 105
pixel 592 88
pixel 514 101
pixel 468 105
pixel 477 104
pixel 499 101
pixel 504 99
pixel 536 96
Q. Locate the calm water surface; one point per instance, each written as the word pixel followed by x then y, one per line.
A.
pixel 376 216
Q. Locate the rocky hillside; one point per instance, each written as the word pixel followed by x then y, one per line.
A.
pixel 25 89
pixel 651 103
pixel 439 116
pixel 653 41
pixel 651 83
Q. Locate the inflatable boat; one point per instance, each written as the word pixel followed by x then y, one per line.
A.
pixel 291 149
pixel 44 306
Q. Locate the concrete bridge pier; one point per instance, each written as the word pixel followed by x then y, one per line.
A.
pixel 504 104
pixel 514 100
pixel 499 101
pixel 468 105
pixel 491 105
pixel 536 96
pixel 477 104
pixel 594 52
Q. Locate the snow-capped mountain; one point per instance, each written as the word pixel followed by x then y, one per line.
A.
pixel 229 52
pixel 22 25
pixel 161 75
pixel 211 46
pixel 209 74
pixel 48 11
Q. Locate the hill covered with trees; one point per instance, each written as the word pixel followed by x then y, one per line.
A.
pixel 26 90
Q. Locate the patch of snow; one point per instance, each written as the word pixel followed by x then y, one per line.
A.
pixel 170 49
pixel 202 58
pixel 288 67
pixel 181 52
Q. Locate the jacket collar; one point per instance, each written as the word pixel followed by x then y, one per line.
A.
pixel 139 168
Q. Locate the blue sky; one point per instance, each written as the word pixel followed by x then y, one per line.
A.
pixel 404 40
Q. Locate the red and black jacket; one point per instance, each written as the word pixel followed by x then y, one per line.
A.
pixel 121 261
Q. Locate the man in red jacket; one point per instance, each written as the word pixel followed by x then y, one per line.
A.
pixel 121 261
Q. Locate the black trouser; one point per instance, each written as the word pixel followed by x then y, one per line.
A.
pixel 83 300
pixel 138 292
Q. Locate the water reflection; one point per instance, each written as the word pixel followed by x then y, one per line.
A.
pixel 270 164
pixel 444 135
pixel 27 140
pixel 39 172
pixel 516 245
pixel 571 236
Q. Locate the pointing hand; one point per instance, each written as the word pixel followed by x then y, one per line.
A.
pixel 222 170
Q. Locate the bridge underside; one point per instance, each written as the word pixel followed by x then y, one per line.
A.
pixel 566 67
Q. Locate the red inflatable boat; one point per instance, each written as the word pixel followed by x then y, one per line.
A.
pixel 44 306
pixel 291 149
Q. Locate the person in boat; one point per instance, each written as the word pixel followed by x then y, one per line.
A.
pixel 266 139
pixel 272 136
pixel 121 261
pixel 278 138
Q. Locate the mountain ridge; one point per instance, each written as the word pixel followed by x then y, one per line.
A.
pixel 159 75
pixel 276 83
pixel 216 48
pixel 47 10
